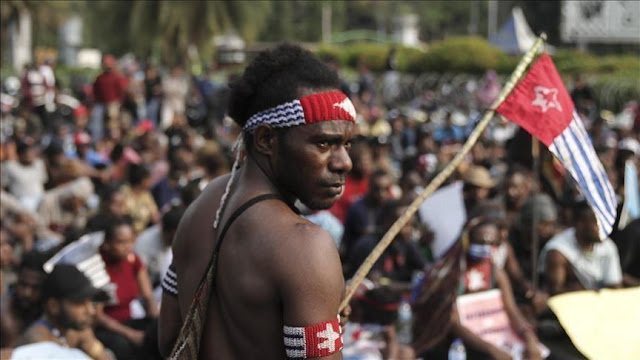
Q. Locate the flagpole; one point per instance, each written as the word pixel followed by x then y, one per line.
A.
pixel 443 175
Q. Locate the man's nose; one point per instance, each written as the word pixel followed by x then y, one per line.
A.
pixel 340 160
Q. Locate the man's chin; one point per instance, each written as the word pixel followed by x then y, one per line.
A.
pixel 317 205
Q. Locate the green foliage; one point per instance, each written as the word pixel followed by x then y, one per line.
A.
pixel 458 54
pixel 573 62
pixel 67 76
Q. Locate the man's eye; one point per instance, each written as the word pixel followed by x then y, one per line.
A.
pixel 323 144
pixel 347 145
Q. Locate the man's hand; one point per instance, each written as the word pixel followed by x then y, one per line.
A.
pixel 539 301
pixel 532 351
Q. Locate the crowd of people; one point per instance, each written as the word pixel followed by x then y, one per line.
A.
pixel 135 148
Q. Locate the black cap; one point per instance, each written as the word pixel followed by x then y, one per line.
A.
pixel 67 282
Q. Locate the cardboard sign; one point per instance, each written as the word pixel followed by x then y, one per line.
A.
pixel 483 313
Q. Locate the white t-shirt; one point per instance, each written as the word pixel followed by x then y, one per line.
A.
pixel 24 181
pixel 595 269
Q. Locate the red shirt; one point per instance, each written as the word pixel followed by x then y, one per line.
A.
pixel 124 274
pixel 108 88
pixel 354 189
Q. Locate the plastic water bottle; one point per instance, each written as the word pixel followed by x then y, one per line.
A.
pixel 457 350
pixel 405 322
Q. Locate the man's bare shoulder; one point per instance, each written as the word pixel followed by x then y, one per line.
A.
pixel 199 216
pixel 304 250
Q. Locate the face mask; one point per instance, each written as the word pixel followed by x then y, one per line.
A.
pixel 479 251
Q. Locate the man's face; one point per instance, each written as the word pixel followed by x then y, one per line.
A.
pixel 379 189
pixel 28 288
pixel 518 189
pixel 312 161
pixel 118 206
pixel 28 157
pixel 587 228
pixel 475 194
pixel 362 163
pixel 546 230
pixel 76 315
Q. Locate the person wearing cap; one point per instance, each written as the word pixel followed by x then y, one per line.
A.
pixel 69 312
pixel 477 186
pixel 278 275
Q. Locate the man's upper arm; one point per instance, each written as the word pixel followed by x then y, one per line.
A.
pixel 556 271
pixel 310 282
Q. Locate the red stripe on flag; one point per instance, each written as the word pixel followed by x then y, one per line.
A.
pixel 540 103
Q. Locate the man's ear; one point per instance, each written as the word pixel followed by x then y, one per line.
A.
pixel 265 140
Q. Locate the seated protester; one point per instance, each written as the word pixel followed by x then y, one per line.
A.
pixel 400 259
pixel 532 303
pixel 477 186
pixel 361 216
pixel 576 259
pixel 116 329
pixel 64 208
pixel 112 207
pixel 481 274
pixel 139 202
pixel 21 305
pixel 24 226
pixel 69 312
pixel 153 246
pixel 521 240
pixel 25 178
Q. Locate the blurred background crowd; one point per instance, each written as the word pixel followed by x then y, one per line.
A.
pixel 99 171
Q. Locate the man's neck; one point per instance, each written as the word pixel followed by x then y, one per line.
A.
pixel 257 176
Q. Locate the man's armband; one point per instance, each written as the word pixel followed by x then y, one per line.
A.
pixel 170 281
pixel 322 339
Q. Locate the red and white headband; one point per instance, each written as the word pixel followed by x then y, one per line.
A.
pixel 333 105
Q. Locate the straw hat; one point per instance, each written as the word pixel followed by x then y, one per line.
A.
pixel 479 176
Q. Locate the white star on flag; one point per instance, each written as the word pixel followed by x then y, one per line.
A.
pixel 347 106
pixel 330 336
pixel 476 280
pixel 546 98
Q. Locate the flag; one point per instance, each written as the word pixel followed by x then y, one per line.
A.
pixel 541 105
pixel 444 214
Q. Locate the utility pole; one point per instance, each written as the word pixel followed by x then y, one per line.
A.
pixel 492 17
pixel 473 18
pixel 326 22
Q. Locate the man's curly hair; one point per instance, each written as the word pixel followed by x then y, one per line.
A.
pixel 276 76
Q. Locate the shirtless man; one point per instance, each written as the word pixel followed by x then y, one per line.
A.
pixel 279 276
pixel 68 313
